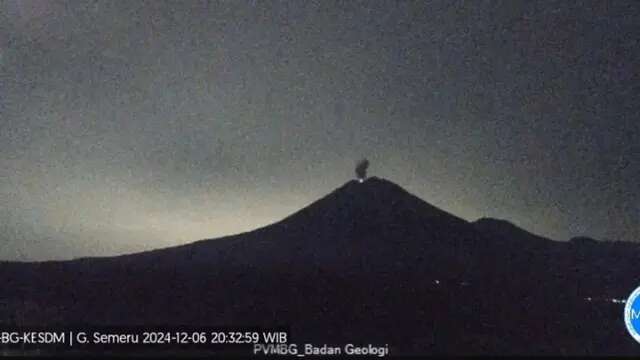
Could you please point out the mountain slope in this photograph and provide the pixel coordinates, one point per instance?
(367, 263)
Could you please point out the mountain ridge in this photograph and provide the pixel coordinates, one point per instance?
(369, 262)
(348, 192)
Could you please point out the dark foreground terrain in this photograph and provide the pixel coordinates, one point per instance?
(368, 263)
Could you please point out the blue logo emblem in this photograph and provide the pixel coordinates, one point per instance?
(632, 314)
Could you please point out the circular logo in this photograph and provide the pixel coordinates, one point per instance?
(632, 314)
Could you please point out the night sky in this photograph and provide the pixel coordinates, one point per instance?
(130, 125)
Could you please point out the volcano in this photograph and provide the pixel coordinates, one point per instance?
(369, 263)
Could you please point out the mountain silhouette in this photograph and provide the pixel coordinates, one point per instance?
(367, 263)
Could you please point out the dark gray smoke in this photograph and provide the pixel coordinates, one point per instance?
(361, 169)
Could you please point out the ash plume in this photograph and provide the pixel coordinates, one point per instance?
(361, 169)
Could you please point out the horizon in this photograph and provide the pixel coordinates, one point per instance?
(356, 182)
